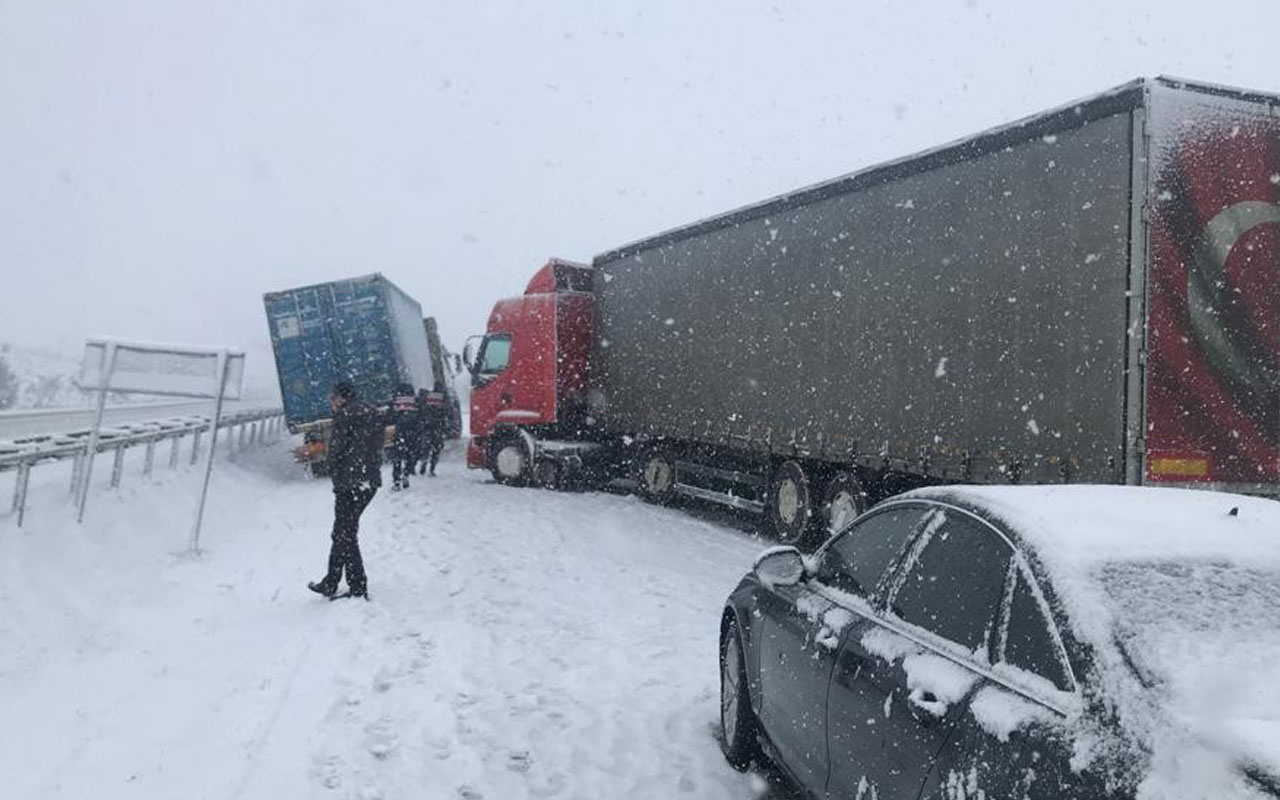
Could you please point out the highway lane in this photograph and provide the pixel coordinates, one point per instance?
(33, 422)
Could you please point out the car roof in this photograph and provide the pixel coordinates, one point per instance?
(1079, 527)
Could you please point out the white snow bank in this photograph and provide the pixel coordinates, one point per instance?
(519, 644)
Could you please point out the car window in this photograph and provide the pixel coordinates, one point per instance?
(954, 586)
(855, 560)
(1028, 643)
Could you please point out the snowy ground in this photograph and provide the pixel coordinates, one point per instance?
(519, 644)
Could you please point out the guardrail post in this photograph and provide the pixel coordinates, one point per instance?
(195, 446)
(173, 452)
(243, 425)
(117, 467)
(20, 491)
(151, 458)
(231, 440)
(255, 436)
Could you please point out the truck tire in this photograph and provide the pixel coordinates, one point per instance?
(790, 503)
(842, 502)
(509, 461)
(657, 477)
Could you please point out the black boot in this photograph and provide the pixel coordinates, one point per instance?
(322, 588)
(363, 593)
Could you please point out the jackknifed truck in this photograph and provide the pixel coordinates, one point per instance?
(364, 330)
(1090, 294)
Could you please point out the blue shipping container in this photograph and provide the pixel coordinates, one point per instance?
(364, 330)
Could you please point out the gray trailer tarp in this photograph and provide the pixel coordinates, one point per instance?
(969, 313)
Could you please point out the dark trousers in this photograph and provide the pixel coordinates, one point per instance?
(348, 505)
(430, 455)
(402, 461)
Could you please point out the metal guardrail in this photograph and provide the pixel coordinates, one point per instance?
(21, 455)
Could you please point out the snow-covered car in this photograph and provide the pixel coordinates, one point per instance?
(1029, 642)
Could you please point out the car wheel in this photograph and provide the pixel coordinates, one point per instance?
(790, 503)
(843, 502)
(509, 462)
(737, 720)
(658, 477)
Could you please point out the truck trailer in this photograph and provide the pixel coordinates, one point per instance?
(364, 330)
(1090, 294)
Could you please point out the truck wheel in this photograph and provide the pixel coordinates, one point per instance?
(790, 503)
(657, 477)
(509, 462)
(844, 501)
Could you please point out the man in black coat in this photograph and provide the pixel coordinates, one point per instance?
(408, 422)
(432, 409)
(355, 465)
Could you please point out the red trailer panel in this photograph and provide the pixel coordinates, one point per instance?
(1213, 366)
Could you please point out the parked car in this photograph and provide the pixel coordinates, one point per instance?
(1018, 641)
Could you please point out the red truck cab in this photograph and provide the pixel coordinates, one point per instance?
(530, 371)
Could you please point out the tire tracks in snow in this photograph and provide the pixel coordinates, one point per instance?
(565, 626)
(281, 700)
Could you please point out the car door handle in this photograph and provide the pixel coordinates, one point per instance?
(925, 706)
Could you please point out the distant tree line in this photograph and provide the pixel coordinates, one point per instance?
(8, 385)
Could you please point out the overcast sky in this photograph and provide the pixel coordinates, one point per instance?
(162, 164)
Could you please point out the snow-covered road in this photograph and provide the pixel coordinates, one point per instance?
(519, 644)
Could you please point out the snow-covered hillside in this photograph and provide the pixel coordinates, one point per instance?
(519, 643)
(45, 378)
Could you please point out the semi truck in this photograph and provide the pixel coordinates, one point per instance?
(1090, 294)
(442, 371)
(364, 330)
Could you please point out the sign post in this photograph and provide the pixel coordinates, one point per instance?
(212, 449)
(108, 361)
(171, 370)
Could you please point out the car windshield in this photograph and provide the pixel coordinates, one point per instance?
(1205, 636)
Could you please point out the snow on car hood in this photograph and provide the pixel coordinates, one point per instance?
(1203, 638)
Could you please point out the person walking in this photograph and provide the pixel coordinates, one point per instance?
(355, 465)
(432, 408)
(408, 422)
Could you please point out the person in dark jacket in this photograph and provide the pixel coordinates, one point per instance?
(355, 465)
(408, 422)
(431, 406)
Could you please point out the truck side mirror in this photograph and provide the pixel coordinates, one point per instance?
(469, 352)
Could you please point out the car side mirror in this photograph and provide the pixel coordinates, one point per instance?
(780, 566)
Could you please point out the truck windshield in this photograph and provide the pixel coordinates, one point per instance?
(494, 354)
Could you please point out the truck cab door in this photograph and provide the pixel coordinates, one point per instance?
(488, 390)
